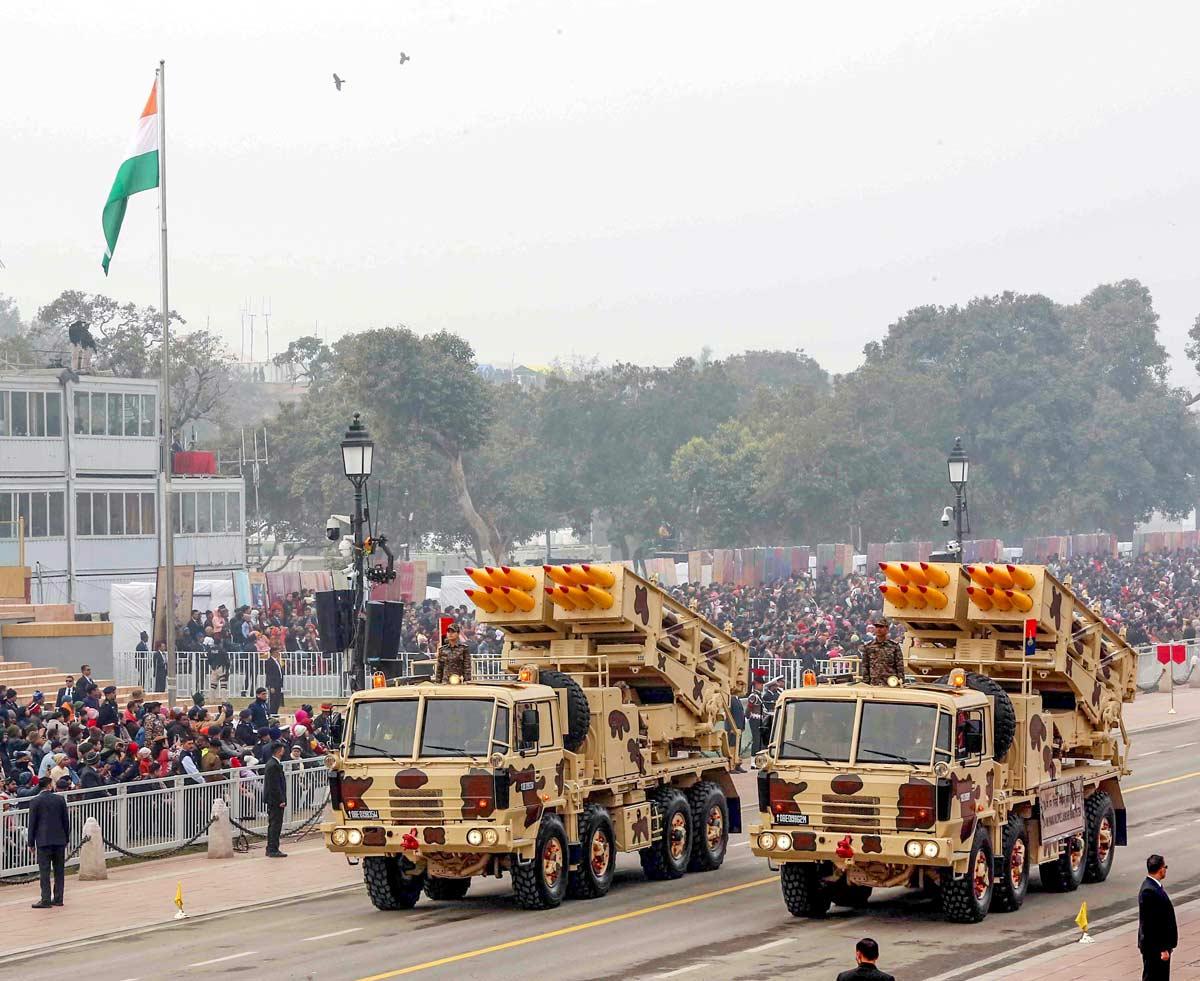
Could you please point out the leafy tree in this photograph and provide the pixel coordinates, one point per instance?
(201, 376)
(308, 358)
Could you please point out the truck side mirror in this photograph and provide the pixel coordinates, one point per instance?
(337, 726)
(530, 730)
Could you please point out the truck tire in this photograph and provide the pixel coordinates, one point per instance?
(1065, 873)
(446, 890)
(966, 900)
(710, 826)
(1013, 881)
(579, 715)
(668, 857)
(388, 886)
(850, 896)
(1100, 825)
(542, 883)
(804, 894)
(598, 855)
(1004, 731)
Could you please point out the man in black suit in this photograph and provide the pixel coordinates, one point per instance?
(84, 682)
(866, 952)
(275, 798)
(1157, 932)
(66, 693)
(160, 666)
(274, 675)
(49, 831)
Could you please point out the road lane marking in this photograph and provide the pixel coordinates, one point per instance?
(773, 943)
(1181, 745)
(566, 931)
(682, 970)
(326, 936)
(1153, 752)
(227, 957)
(1161, 831)
(1161, 783)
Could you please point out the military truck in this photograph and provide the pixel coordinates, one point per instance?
(609, 734)
(1006, 752)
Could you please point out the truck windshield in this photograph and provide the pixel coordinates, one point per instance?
(384, 728)
(456, 727)
(815, 729)
(896, 732)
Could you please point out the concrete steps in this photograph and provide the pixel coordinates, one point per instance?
(26, 679)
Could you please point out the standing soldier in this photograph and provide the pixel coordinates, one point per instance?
(882, 658)
(771, 699)
(453, 658)
(754, 712)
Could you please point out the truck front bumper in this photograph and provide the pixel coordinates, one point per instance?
(368, 838)
(799, 844)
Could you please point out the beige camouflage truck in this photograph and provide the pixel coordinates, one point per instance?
(1007, 752)
(609, 733)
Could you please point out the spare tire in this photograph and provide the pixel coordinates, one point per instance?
(579, 715)
(1005, 729)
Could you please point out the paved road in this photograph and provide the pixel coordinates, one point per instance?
(730, 923)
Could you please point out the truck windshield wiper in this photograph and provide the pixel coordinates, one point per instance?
(806, 749)
(377, 749)
(890, 756)
(452, 750)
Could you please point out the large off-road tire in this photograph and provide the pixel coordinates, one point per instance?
(388, 886)
(579, 714)
(597, 855)
(966, 900)
(1013, 881)
(1100, 825)
(804, 893)
(1004, 730)
(446, 890)
(542, 883)
(843, 893)
(1065, 873)
(710, 826)
(668, 857)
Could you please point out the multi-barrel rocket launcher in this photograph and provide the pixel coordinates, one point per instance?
(1024, 628)
(603, 624)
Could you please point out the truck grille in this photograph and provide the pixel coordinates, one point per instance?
(416, 806)
(850, 814)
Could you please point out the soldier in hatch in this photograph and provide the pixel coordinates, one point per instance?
(882, 658)
(453, 658)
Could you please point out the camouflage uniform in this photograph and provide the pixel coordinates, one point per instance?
(452, 659)
(881, 660)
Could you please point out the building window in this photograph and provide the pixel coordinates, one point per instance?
(207, 512)
(108, 414)
(30, 414)
(113, 513)
(42, 512)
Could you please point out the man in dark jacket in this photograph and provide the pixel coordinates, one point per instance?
(109, 710)
(84, 682)
(260, 716)
(160, 666)
(65, 693)
(49, 832)
(275, 798)
(1158, 934)
(274, 676)
(866, 952)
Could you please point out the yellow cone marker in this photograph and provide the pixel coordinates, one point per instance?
(1081, 921)
(179, 914)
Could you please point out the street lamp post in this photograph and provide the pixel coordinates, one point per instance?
(958, 465)
(357, 453)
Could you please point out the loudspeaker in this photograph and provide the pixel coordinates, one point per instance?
(383, 630)
(334, 612)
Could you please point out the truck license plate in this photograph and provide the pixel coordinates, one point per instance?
(363, 815)
(791, 819)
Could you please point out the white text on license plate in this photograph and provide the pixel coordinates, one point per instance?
(363, 815)
(791, 819)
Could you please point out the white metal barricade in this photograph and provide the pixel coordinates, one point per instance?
(306, 674)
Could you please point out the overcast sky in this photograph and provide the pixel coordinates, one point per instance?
(633, 180)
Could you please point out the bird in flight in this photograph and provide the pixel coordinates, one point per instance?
(338, 82)
(404, 58)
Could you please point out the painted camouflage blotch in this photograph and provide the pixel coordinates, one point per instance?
(846, 783)
(434, 836)
(528, 777)
(560, 777)
(641, 826)
(662, 661)
(1056, 607)
(636, 756)
(411, 778)
(913, 793)
(991, 786)
(698, 690)
(618, 724)
(355, 787)
(872, 844)
(1048, 762)
(966, 793)
(804, 841)
(782, 792)
(1037, 733)
(477, 786)
(641, 604)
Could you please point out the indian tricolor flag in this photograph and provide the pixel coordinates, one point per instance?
(139, 172)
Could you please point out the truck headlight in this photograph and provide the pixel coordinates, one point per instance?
(339, 836)
(783, 842)
(474, 837)
(931, 849)
(766, 841)
(491, 836)
(354, 836)
(912, 849)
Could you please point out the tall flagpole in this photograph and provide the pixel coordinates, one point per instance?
(167, 516)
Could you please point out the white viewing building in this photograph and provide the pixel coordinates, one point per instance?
(79, 464)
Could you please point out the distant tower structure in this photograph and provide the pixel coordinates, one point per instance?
(266, 314)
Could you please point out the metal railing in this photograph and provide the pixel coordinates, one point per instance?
(1151, 671)
(146, 817)
(306, 674)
